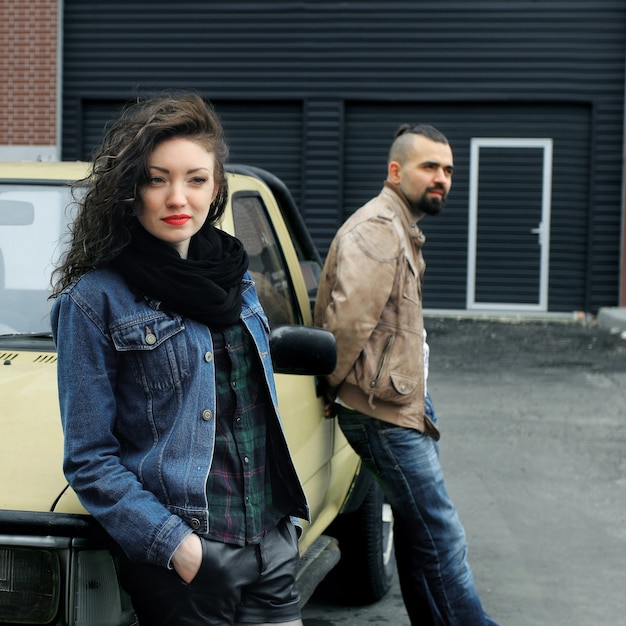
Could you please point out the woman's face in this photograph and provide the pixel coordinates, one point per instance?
(176, 200)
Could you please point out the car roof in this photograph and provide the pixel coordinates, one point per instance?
(70, 171)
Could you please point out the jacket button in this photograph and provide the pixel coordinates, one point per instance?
(208, 357)
(207, 414)
(151, 339)
(195, 523)
(402, 388)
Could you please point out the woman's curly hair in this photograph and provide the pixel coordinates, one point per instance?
(102, 225)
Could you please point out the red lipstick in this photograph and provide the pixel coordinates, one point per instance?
(176, 220)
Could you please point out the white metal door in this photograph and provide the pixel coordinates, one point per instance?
(509, 224)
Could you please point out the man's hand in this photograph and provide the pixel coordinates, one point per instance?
(188, 558)
(330, 409)
(329, 395)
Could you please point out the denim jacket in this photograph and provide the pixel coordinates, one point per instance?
(137, 399)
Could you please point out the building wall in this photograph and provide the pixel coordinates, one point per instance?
(28, 79)
(288, 79)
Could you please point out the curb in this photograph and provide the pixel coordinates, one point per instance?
(613, 318)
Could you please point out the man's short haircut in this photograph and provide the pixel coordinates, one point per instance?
(402, 143)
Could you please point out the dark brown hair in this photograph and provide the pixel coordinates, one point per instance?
(402, 143)
(101, 228)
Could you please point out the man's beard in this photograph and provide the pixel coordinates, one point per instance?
(429, 205)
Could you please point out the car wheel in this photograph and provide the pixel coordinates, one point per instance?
(367, 565)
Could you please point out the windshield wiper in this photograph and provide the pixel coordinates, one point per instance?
(38, 335)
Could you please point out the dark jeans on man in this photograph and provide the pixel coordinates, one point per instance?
(430, 541)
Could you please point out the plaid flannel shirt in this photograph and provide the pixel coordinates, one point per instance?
(241, 508)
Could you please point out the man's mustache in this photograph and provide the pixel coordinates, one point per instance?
(437, 187)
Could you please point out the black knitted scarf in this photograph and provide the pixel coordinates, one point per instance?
(205, 287)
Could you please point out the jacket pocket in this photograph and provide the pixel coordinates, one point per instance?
(411, 283)
(155, 350)
(403, 385)
(381, 379)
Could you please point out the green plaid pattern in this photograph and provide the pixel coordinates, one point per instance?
(239, 489)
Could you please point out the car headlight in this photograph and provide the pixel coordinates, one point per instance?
(97, 597)
(29, 585)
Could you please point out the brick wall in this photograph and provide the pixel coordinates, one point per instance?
(28, 73)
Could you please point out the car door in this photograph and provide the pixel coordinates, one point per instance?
(280, 284)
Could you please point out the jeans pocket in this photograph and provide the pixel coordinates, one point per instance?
(357, 436)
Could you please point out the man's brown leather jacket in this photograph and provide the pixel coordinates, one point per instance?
(370, 298)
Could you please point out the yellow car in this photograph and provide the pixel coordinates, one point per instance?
(55, 565)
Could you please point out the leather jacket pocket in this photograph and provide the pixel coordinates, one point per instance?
(411, 286)
(382, 379)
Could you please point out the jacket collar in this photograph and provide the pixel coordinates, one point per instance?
(407, 215)
(406, 207)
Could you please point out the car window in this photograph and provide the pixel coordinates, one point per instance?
(267, 266)
(32, 219)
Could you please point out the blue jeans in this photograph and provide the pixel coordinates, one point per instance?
(430, 541)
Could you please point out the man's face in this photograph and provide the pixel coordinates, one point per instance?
(426, 176)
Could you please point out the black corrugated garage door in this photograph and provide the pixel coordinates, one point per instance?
(370, 129)
(264, 134)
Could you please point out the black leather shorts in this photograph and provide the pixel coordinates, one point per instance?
(254, 583)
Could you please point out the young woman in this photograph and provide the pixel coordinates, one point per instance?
(172, 437)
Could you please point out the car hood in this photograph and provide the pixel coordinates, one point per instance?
(31, 444)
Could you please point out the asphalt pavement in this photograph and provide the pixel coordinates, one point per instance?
(533, 420)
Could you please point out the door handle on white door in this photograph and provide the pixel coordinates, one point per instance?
(538, 231)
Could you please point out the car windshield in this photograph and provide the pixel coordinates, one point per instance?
(33, 218)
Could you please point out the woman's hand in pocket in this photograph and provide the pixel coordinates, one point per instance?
(188, 558)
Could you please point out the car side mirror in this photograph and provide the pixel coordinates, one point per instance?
(303, 350)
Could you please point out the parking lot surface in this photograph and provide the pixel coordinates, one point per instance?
(533, 420)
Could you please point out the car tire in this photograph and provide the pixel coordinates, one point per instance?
(367, 565)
